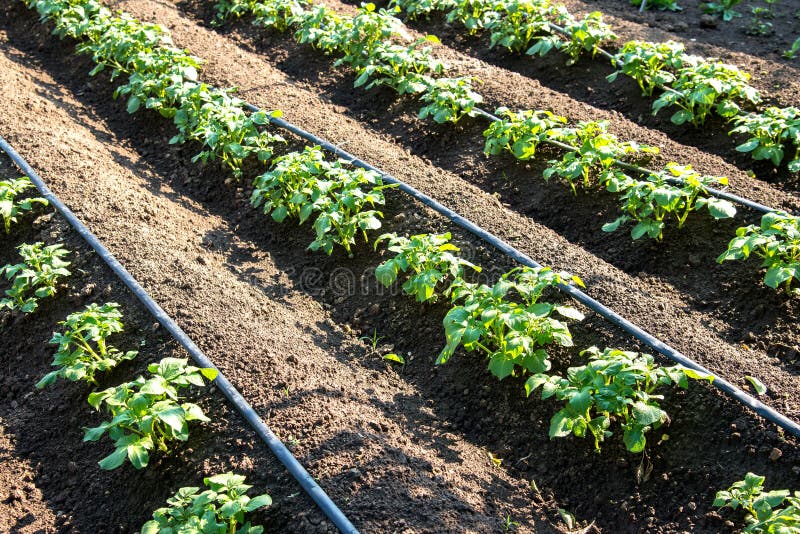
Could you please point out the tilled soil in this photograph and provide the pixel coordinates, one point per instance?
(399, 448)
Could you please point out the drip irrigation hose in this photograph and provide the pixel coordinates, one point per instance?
(302, 476)
(645, 337)
(643, 170)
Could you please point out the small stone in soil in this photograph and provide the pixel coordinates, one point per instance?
(775, 454)
(708, 21)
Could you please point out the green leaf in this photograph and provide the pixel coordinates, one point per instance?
(634, 439)
(386, 273)
(681, 117)
(258, 502)
(392, 357)
(749, 146)
(777, 275)
(209, 372)
(500, 366)
(757, 384)
(561, 425)
(114, 460)
(721, 209)
(174, 417)
(647, 414)
(138, 456)
(133, 104)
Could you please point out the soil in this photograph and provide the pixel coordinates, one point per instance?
(399, 448)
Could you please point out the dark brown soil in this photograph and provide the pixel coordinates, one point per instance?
(398, 448)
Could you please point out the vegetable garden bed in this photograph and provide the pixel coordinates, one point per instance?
(404, 447)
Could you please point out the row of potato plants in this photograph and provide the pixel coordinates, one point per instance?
(508, 322)
(593, 155)
(146, 414)
(695, 85)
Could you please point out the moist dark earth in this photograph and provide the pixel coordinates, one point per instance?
(399, 448)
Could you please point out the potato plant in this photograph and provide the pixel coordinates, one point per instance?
(522, 23)
(146, 414)
(82, 347)
(35, 278)
(705, 87)
(615, 385)
(406, 69)
(649, 202)
(277, 14)
(762, 512)
(430, 260)
(220, 509)
(663, 5)
(584, 35)
(769, 133)
(304, 184)
(722, 8)
(449, 100)
(10, 207)
(597, 155)
(652, 65)
(776, 240)
(507, 322)
(520, 132)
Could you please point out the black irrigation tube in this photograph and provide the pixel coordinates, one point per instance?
(645, 337)
(302, 476)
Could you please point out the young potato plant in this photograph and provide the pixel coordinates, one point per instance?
(277, 14)
(406, 69)
(147, 413)
(82, 347)
(473, 14)
(793, 50)
(415, 9)
(449, 100)
(763, 515)
(302, 184)
(777, 242)
(597, 153)
(722, 8)
(431, 260)
(652, 65)
(522, 23)
(520, 132)
(769, 132)
(584, 36)
(10, 207)
(648, 202)
(159, 81)
(663, 5)
(615, 385)
(345, 213)
(359, 37)
(35, 278)
(220, 509)
(705, 87)
(218, 121)
(507, 322)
